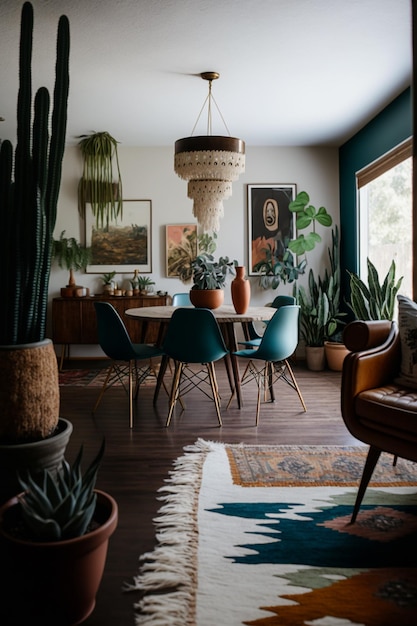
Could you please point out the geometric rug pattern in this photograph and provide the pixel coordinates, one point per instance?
(229, 552)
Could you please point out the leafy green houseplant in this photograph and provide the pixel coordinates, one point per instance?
(71, 255)
(277, 268)
(97, 185)
(60, 524)
(208, 275)
(29, 186)
(374, 301)
(143, 283)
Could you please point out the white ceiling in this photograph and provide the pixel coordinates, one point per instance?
(292, 72)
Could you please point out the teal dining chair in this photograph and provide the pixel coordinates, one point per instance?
(270, 360)
(115, 342)
(253, 337)
(181, 299)
(193, 337)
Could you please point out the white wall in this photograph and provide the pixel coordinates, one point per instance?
(148, 173)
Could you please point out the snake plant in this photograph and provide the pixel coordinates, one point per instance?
(374, 301)
(29, 186)
(56, 508)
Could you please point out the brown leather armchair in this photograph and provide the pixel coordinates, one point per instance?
(376, 409)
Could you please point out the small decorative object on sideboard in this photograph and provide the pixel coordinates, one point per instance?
(66, 545)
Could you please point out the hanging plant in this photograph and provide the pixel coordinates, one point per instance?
(97, 186)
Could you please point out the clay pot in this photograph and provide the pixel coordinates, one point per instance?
(335, 355)
(240, 290)
(69, 571)
(207, 298)
(315, 357)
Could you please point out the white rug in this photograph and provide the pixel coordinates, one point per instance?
(230, 555)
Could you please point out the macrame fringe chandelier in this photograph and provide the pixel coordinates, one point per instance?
(210, 163)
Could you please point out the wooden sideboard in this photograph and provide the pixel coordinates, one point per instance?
(74, 319)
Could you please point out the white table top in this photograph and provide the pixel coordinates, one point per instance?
(224, 314)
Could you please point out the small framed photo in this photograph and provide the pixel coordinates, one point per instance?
(126, 244)
(181, 249)
(270, 222)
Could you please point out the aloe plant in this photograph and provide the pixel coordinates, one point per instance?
(29, 188)
(61, 506)
(373, 301)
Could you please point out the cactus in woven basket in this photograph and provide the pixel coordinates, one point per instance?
(55, 508)
(29, 187)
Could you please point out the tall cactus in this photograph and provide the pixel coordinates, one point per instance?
(29, 190)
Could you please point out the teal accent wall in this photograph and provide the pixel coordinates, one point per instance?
(388, 129)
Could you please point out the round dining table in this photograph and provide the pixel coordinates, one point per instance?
(226, 317)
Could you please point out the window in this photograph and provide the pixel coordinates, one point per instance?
(386, 215)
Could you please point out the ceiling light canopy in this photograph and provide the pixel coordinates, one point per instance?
(210, 163)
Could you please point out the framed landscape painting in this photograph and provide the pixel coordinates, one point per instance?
(270, 222)
(126, 244)
(181, 249)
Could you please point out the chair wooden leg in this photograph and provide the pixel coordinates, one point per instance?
(295, 384)
(173, 396)
(103, 389)
(131, 394)
(371, 460)
(214, 389)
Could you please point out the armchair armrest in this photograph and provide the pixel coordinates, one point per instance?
(375, 356)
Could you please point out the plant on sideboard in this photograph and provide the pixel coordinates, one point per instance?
(70, 255)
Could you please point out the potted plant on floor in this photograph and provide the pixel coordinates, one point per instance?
(209, 276)
(54, 537)
(72, 256)
(29, 187)
(320, 316)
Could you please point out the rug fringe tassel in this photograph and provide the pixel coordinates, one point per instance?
(177, 527)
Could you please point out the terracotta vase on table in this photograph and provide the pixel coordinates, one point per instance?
(240, 289)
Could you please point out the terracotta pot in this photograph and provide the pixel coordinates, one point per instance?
(335, 355)
(240, 290)
(207, 298)
(315, 357)
(53, 583)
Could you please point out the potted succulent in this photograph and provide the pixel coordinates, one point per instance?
(30, 179)
(60, 525)
(144, 282)
(209, 276)
(108, 282)
(373, 301)
(72, 256)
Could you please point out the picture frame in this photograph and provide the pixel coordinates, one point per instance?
(181, 247)
(127, 244)
(270, 222)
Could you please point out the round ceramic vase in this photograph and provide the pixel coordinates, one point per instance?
(240, 289)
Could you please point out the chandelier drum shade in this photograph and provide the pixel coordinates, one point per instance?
(210, 163)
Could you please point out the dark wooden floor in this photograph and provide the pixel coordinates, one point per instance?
(137, 461)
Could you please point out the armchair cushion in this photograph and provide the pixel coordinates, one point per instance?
(407, 323)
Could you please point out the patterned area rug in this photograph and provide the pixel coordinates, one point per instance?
(230, 552)
(91, 378)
